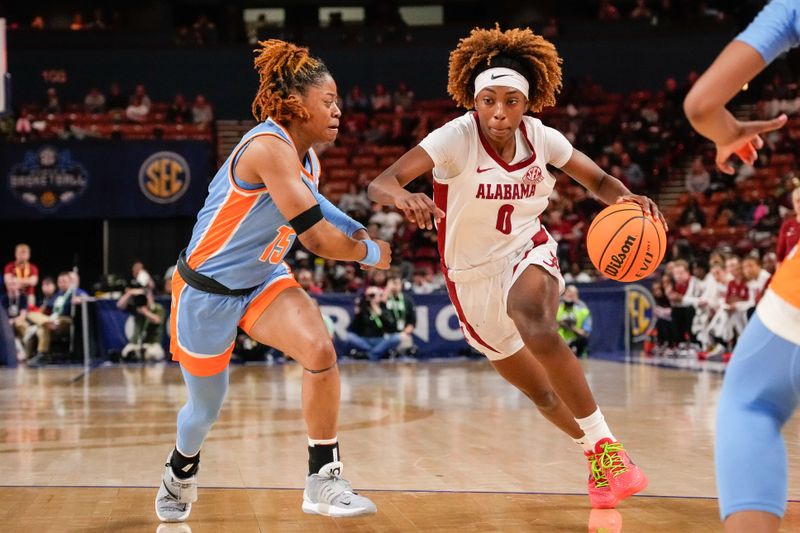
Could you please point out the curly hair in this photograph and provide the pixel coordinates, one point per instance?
(531, 55)
(283, 68)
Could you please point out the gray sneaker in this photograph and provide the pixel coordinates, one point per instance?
(327, 493)
(175, 496)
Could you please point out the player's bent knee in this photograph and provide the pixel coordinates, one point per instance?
(545, 400)
(319, 354)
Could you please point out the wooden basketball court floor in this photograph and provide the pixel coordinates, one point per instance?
(438, 446)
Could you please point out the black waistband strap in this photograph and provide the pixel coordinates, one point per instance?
(204, 283)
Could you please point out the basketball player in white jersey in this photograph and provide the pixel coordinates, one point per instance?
(491, 184)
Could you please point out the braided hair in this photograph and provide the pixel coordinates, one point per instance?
(531, 55)
(284, 69)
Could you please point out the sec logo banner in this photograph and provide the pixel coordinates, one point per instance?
(640, 311)
(164, 177)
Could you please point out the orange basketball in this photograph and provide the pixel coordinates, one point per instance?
(623, 244)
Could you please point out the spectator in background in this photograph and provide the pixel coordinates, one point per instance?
(137, 111)
(141, 276)
(204, 31)
(306, 280)
(607, 11)
(20, 277)
(183, 36)
(682, 295)
(574, 321)
(148, 324)
(698, 179)
(757, 279)
(140, 93)
(692, 215)
(373, 330)
(52, 103)
(23, 126)
(790, 229)
(633, 174)
(116, 100)
(387, 219)
(403, 96)
(202, 113)
(356, 101)
(168, 279)
(57, 321)
(712, 300)
(769, 262)
(77, 23)
(380, 100)
(403, 310)
(94, 102)
(641, 11)
(37, 23)
(376, 133)
(98, 22)
(355, 202)
(731, 317)
(24, 330)
(179, 111)
(422, 281)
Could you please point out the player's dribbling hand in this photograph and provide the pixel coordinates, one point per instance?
(648, 206)
(747, 142)
(386, 255)
(419, 209)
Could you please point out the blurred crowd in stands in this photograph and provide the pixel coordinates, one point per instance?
(727, 233)
(110, 115)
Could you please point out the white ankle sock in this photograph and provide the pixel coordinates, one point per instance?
(594, 428)
(584, 444)
(314, 442)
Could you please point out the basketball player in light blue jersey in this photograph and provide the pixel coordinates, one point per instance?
(232, 275)
(762, 383)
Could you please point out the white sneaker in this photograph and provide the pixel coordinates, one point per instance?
(327, 493)
(175, 496)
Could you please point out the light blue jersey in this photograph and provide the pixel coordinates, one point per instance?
(775, 30)
(240, 236)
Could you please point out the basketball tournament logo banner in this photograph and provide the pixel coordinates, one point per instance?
(164, 177)
(47, 179)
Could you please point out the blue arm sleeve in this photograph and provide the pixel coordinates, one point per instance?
(774, 30)
(333, 214)
(337, 217)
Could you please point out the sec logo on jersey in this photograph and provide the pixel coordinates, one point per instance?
(533, 175)
(164, 177)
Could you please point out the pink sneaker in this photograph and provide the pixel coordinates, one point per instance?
(624, 477)
(600, 494)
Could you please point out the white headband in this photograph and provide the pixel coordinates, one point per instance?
(504, 77)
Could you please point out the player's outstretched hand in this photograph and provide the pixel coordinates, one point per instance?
(648, 206)
(419, 209)
(386, 255)
(747, 142)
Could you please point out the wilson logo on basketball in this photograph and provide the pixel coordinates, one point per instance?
(533, 175)
(617, 260)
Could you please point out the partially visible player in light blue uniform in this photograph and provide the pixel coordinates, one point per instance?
(762, 384)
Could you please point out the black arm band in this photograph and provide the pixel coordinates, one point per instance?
(302, 222)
